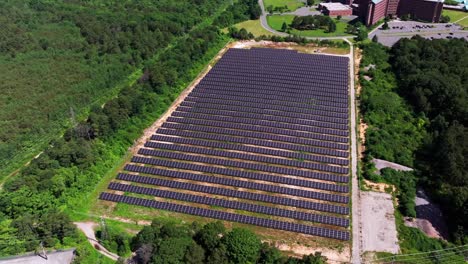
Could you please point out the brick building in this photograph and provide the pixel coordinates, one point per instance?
(371, 11)
(335, 9)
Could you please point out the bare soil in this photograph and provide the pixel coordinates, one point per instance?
(378, 226)
(309, 48)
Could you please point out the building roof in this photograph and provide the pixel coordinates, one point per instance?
(335, 6)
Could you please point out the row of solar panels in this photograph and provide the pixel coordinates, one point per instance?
(329, 220)
(315, 114)
(258, 119)
(231, 172)
(299, 228)
(325, 98)
(265, 102)
(280, 76)
(285, 71)
(243, 148)
(228, 122)
(273, 88)
(306, 67)
(281, 54)
(332, 106)
(219, 103)
(254, 115)
(235, 164)
(330, 86)
(187, 124)
(250, 157)
(204, 126)
(302, 203)
(285, 61)
(252, 141)
(277, 101)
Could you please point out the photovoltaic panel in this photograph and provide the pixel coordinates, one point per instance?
(330, 220)
(298, 228)
(267, 121)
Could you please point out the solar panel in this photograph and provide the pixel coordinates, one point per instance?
(257, 123)
(310, 230)
(267, 198)
(330, 220)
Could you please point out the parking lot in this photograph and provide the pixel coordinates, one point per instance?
(408, 29)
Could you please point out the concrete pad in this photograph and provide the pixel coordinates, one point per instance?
(378, 223)
(57, 257)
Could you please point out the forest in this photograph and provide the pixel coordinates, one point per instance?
(59, 57)
(162, 45)
(211, 243)
(416, 107)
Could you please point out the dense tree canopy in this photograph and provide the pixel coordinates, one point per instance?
(414, 100)
(433, 77)
(212, 243)
(314, 22)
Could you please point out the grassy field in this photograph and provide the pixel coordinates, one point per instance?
(254, 27)
(291, 4)
(277, 21)
(456, 15)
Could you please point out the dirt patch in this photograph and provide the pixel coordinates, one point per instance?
(311, 48)
(333, 255)
(379, 187)
(378, 226)
(423, 225)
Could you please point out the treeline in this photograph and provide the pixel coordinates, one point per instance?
(414, 101)
(433, 77)
(207, 244)
(68, 166)
(58, 57)
(239, 11)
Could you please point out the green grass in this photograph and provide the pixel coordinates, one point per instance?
(291, 4)
(276, 22)
(254, 27)
(456, 15)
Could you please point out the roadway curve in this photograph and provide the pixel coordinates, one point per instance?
(264, 23)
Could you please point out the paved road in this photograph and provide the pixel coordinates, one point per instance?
(264, 22)
(356, 197)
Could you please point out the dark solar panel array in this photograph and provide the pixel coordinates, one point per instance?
(269, 116)
(249, 157)
(337, 209)
(244, 148)
(274, 121)
(253, 141)
(245, 219)
(324, 219)
(232, 172)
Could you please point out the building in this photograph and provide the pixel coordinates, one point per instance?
(371, 11)
(335, 9)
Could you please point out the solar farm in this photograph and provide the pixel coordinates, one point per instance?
(262, 140)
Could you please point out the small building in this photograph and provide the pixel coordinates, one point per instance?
(335, 9)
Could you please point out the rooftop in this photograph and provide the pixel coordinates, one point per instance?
(335, 6)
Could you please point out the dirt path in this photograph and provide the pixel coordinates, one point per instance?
(356, 199)
(88, 229)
